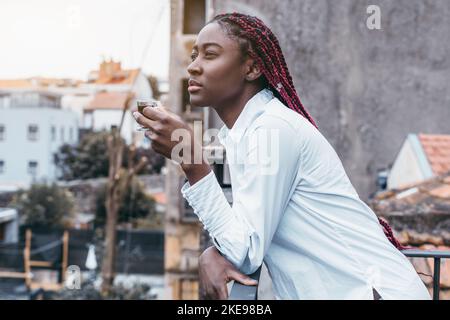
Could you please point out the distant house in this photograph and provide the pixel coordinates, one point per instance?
(32, 128)
(9, 226)
(421, 157)
(113, 89)
(105, 110)
(111, 77)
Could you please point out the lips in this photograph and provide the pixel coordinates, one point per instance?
(193, 86)
(193, 83)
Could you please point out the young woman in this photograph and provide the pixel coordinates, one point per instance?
(297, 210)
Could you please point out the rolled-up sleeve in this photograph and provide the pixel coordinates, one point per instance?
(243, 232)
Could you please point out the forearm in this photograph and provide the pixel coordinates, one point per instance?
(231, 234)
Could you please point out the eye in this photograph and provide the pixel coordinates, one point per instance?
(210, 54)
(193, 56)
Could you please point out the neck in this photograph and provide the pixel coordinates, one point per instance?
(230, 109)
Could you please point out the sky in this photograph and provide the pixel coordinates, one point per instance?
(67, 39)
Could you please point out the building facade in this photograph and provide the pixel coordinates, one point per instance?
(182, 230)
(32, 128)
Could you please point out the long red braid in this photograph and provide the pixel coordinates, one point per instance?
(258, 42)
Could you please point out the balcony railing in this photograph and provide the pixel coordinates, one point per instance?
(243, 292)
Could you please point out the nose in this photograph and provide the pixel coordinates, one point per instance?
(193, 67)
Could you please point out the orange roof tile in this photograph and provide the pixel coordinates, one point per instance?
(108, 100)
(120, 77)
(111, 72)
(441, 192)
(437, 151)
(37, 82)
(15, 83)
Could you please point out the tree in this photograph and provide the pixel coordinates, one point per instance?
(89, 159)
(44, 205)
(153, 81)
(136, 204)
(119, 180)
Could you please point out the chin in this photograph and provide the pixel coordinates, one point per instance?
(197, 102)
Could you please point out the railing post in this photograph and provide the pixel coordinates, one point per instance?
(436, 278)
(242, 292)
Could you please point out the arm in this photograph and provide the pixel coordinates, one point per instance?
(243, 232)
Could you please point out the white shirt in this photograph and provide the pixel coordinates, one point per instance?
(305, 220)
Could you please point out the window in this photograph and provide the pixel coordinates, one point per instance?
(32, 167)
(2, 166)
(33, 132)
(2, 132)
(62, 134)
(194, 16)
(71, 134)
(53, 133)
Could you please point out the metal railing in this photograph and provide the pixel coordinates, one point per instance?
(437, 256)
(242, 292)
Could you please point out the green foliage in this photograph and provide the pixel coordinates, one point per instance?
(136, 204)
(44, 205)
(89, 159)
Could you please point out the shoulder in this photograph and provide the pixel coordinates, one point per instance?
(288, 122)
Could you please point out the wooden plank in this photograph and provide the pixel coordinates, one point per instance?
(65, 259)
(40, 263)
(47, 286)
(26, 257)
(12, 274)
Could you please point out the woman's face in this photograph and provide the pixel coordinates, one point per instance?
(217, 68)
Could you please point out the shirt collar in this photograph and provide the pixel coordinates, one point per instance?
(252, 109)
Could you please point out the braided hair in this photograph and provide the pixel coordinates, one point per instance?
(258, 42)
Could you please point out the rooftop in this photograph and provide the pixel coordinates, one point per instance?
(109, 101)
(437, 151)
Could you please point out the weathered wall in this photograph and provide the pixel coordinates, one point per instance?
(367, 89)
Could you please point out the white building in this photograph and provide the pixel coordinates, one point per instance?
(100, 101)
(422, 156)
(32, 128)
(106, 109)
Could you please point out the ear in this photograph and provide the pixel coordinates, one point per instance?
(253, 70)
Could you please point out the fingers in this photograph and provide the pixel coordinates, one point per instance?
(145, 122)
(155, 113)
(241, 278)
(151, 135)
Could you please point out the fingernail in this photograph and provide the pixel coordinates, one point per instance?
(136, 115)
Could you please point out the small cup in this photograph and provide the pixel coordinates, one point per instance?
(141, 104)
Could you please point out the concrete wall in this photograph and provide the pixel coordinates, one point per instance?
(367, 89)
